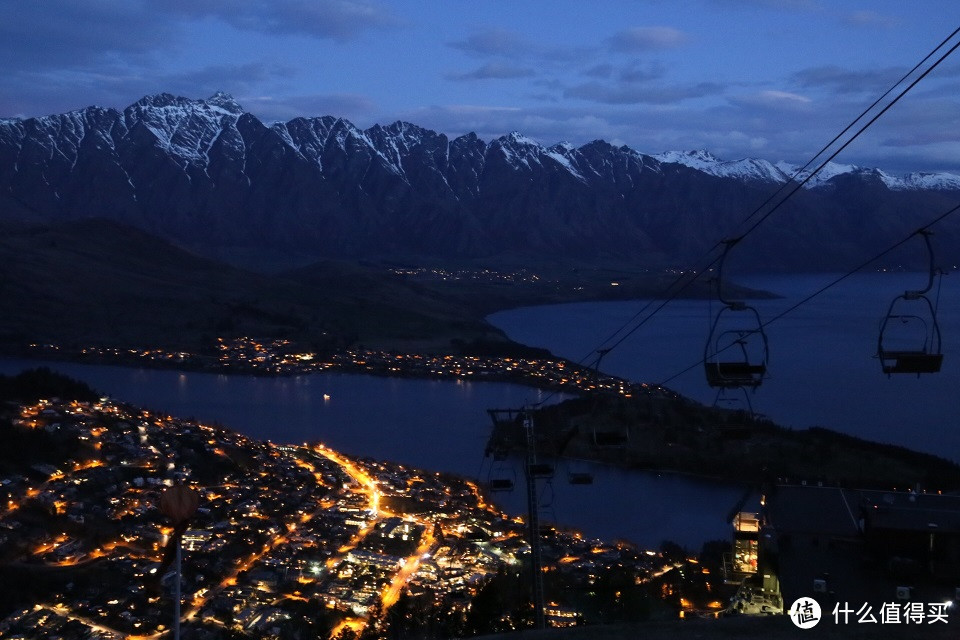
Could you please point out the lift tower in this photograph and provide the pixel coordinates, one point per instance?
(504, 425)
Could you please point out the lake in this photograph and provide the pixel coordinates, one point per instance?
(430, 424)
(821, 372)
(821, 369)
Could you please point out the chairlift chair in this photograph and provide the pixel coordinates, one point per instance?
(501, 479)
(737, 421)
(927, 358)
(893, 349)
(746, 367)
(580, 477)
(610, 439)
(540, 470)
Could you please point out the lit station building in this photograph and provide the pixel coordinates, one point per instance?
(754, 566)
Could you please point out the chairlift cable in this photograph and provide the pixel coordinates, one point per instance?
(799, 171)
(697, 273)
(830, 285)
(936, 304)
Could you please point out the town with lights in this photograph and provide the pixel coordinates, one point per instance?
(281, 357)
(286, 541)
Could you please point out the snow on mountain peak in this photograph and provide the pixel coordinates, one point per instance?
(749, 169)
(518, 138)
(932, 181)
(219, 103)
(225, 101)
(186, 128)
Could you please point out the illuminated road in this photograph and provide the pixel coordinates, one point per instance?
(96, 626)
(410, 566)
(281, 538)
(366, 485)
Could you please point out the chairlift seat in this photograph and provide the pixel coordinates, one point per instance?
(609, 439)
(734, 374)
(581, 477)
(910, 362)
(501, 484)
(541, 470)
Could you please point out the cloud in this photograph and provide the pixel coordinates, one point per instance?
(504, 44)
(772, 99)
(869, 19)
(636, 94)
(495, 42)
(494, 71)
(638, 72)
(232, 78)
(604, 70)
(327, 19)
(67, 34)
(32, 93)
(646, 39)
(786, 5)
(49, 35)
(848, 81)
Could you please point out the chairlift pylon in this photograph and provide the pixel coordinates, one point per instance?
(913, 346)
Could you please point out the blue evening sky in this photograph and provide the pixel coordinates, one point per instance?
(773, 79)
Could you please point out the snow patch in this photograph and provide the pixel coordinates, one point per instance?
(747, 169)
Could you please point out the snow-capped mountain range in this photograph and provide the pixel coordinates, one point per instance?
(211, 176)
(782, 172)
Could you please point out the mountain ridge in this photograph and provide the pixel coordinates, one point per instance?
(214, 178)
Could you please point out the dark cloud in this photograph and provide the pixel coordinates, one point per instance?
(65, 34)
(57, 34)
(637, 94)
(604, 70)
(639, 72)
(843, 80)
(646, 39)
(787, 5)
(921, 138)
(505, 44)
(112, 51)
(495, 42)
(494, 71)
(31, 93)
(334, 19)
(232, 78)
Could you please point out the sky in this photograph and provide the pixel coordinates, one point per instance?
(771, 79)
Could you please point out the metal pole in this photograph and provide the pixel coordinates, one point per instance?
(176, 597)
(533, 521)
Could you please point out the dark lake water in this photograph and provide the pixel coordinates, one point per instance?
(822, 369)
(434, 425)
(821, 366)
